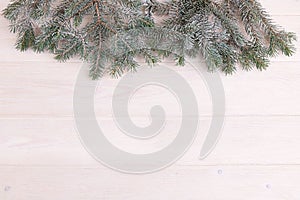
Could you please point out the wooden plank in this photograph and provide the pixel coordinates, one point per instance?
(221, 182)
(244, 141)
(29, 90)
(272, 92)
(288, 7)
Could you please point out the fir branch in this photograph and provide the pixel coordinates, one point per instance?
(110, 34)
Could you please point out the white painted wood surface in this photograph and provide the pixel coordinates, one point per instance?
(41, 157)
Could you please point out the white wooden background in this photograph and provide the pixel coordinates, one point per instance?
(41, 157)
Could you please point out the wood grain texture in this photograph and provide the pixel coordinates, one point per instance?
(177, 182)
(257, 157)
(245, 141)
(31, 90)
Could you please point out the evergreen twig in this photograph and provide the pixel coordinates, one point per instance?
(111, 34)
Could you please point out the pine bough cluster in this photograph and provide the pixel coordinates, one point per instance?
(112, 34)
